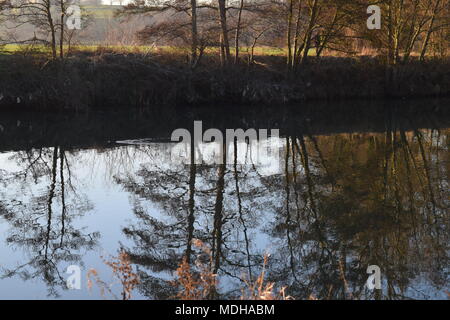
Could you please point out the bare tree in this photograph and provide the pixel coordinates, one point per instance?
(238, 31)
(407, 27)
(318, 25)
(41, 15)
(174, 20)
(48, 17)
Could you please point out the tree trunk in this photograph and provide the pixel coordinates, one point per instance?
(238, 31)
(224, 29)
(297, 35)
(194, 33)
(61, 36)
(308, 35)
(390, 34)
(327, 36)
(289, 33)
(429, 31)
(52, 27)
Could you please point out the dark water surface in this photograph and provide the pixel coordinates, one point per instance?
(355, 185)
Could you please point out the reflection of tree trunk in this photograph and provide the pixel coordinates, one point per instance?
(218, 215)
(286, 172)
(395, 176)
(409, 183)
(305, 159)
(387, 140)
(63, 197)
(288, 212)
(416, 168)
(218, 222)
(191, 204)
(295, 182)
(427, 169)
(342, 270)
(241, 217)
(322, 160)
(50, 199)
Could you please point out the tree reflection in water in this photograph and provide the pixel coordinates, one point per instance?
(42, 226)
(342, 203)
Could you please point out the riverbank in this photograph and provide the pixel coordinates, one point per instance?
(111, 80)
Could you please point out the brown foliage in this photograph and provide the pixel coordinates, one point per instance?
(261, 290)
(198, 282)
(122, 271)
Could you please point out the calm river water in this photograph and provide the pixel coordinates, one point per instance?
(340, 193)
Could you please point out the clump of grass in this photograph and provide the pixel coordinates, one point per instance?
(122, 272)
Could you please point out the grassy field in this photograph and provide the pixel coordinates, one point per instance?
(101, 11)
(18, 48)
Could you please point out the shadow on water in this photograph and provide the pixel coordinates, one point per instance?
(363, 186)
(27, 130)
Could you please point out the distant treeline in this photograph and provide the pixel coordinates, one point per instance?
(301, 28)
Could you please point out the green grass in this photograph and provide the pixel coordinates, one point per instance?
(101, 11)
(263, 51)
(17, 48)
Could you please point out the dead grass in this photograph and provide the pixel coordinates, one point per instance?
(259, 289)
(106, 79)
(122, 273)
(198, 282)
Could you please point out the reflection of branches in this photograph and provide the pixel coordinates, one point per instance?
(358, 221)
(360, 199)
(194, 205)
(241, 217)
(49, 239)
(123, 273)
